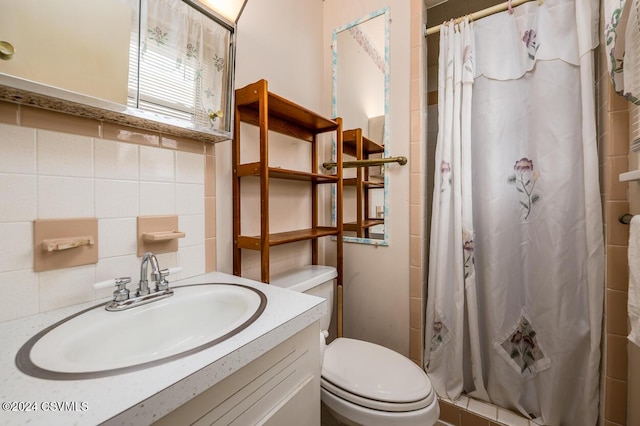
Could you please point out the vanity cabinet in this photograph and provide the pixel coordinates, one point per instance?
(362, 148)
(280, 387)
(255, 105)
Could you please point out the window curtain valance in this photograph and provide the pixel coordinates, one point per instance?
(622, 37)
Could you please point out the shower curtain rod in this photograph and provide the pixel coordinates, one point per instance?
(484, 13)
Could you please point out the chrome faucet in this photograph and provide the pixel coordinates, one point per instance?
(143, 285)
(144, 294)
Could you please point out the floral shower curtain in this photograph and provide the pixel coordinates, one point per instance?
(516, 258)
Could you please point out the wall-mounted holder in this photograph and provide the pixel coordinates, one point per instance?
(63, 243)
(158, 234)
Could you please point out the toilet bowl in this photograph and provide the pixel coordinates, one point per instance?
(363, 383)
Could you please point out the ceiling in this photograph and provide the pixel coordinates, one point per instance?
(450, 9)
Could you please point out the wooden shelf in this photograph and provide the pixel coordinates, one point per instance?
(367, 183)
(366, 223)
(255, 105)
(369, 147)
(284, 116)
(253, 169)
(359, 146)
(253, 243)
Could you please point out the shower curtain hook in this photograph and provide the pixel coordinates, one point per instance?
(509, 7)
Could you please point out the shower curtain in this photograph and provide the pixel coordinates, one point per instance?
(515, 285)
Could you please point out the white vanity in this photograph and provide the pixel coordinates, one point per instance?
(268, 373)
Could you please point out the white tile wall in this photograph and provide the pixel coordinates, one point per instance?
(115, 160)
(62, 154)
(20, 294)
(46, 175)
(63, 197)
(189, 168)
(157, 198)
(22, 143)
(21, 190)
(157, 164)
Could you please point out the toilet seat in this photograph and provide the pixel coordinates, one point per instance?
(375, 377)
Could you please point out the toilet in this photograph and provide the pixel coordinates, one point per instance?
(363, 383)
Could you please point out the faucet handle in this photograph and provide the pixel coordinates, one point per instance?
(121, 293)
(161, 277)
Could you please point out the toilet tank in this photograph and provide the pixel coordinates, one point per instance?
(316, 280)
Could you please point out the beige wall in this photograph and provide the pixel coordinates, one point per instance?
(279, 41)
(55, 166)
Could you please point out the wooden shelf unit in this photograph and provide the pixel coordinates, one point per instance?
(254, 104)
(359, 146)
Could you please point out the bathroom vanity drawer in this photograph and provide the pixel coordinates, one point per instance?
(281, 385)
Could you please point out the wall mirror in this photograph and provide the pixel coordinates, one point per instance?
(361, 98)
(166, 61)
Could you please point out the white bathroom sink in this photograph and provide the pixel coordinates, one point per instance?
(96, 343)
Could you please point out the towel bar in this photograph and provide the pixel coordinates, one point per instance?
(625, 219)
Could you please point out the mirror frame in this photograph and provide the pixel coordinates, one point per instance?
(32, 93)
(334, 47)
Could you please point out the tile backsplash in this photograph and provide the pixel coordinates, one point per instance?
(46, 174)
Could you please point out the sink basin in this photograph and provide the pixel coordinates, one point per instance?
(97, 343)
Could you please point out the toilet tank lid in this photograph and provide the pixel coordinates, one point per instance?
(305, 278)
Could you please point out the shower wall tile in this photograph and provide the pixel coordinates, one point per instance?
(512, 419)
(618, 133)
(617, 268)
(471, 419)
(616, 362)
(615, 409)
(449, 413)
(616, 102)
(55, 165)
(616, 311)
(615, 189)
(417, 170)
(486, 410)
(617, 233)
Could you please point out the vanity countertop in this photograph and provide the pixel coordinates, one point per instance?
(142, 396)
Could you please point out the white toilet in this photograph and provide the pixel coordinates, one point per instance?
(364, 383)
